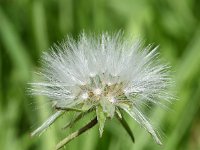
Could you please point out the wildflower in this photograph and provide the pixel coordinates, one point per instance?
(104, 74)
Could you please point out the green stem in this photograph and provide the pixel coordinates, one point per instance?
(76, 133)
(68, 109)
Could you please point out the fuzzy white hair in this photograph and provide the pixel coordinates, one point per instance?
(108, 68)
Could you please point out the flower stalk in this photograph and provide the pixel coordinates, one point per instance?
(69, 138)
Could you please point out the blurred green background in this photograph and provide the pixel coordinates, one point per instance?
(29, 27)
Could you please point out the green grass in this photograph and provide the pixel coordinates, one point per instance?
(27, 28)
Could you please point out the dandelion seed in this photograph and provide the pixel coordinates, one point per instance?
(85, 96)
(112, 100)
(97, 92)
(104, 74)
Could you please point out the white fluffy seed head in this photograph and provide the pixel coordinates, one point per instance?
(96, 68)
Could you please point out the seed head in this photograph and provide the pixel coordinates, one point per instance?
(106, 74)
